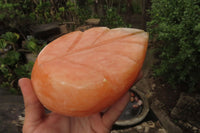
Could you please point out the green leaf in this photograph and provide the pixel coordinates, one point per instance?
(61, 9)
(24, 70)
(3, 44)
(11, 58)
(10, 37)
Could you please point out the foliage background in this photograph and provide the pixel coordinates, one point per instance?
(175, 25)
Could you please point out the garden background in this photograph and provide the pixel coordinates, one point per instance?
(26, 26)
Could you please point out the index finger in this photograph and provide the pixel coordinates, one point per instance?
(34, 111)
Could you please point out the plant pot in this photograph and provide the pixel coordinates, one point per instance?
(131, 115)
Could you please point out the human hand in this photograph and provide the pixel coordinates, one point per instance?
(37, 121)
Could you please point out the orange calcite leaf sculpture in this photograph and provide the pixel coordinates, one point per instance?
(81, 73)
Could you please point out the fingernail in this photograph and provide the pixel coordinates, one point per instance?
(19, 82)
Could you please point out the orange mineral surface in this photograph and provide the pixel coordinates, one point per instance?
(81, 73)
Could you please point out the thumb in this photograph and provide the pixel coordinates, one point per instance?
(34, 111)
(115, 111)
